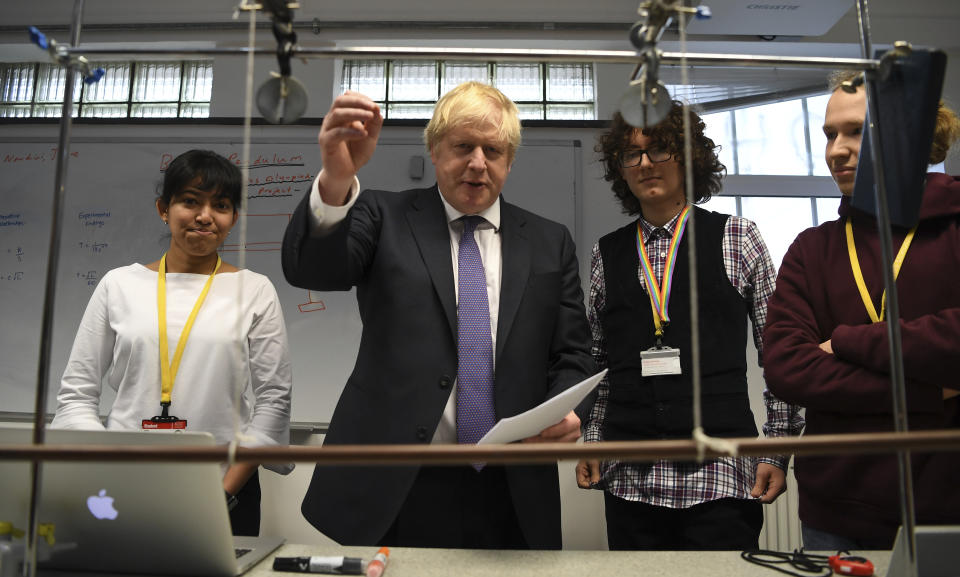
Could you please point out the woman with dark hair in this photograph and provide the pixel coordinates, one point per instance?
(640, 321)
(187, 341)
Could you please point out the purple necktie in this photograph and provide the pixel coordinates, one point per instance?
(475, 414)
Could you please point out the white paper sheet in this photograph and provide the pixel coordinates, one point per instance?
(550, 412)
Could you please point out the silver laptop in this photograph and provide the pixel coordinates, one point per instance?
(131, 517)
(938, 552)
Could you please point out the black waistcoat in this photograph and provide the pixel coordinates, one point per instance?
(660, 407)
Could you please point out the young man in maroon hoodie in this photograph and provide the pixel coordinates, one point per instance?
(826, 346)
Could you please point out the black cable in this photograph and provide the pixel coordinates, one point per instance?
(808, 564)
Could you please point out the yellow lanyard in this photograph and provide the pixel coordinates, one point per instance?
(168, 370)
(858, 274)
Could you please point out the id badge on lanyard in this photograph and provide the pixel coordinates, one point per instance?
(661, 360)
(163, 422)
(168, 370)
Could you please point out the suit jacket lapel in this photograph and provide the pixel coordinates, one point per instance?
(428, 224)
(515, 252)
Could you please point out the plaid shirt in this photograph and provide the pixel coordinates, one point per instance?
(677, 485)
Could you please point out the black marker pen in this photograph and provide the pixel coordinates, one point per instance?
(328, 565)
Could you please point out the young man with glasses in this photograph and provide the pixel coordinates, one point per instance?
(639, 314)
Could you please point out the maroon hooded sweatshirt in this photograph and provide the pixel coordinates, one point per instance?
(816, 300)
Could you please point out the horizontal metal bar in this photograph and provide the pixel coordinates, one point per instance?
(765, 60)
(683, 449)
(434, 53)
(484, 25)
(247, 7)
(318, 26)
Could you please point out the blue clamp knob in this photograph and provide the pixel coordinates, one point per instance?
(39, 38)
(94, 76)
(703, 13)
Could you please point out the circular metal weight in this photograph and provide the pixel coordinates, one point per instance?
(282, 100)
(645, 108)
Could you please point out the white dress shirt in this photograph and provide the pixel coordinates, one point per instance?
(326, 217)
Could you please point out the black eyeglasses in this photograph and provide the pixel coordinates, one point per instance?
(634, 156)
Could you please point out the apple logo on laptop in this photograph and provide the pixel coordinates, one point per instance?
(101, 506)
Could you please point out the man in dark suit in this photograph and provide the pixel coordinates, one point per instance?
(414, 380)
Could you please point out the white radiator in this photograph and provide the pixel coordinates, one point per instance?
(781, 523)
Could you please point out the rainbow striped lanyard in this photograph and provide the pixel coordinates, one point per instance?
(660, 293)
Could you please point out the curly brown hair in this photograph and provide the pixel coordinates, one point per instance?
(668, 135)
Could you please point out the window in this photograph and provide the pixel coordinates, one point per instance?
(783, 138)
(827, 208)
(724, 204)
(410, 88)
(127, 90)
(771, 137)
(816, 107)
(780, 220)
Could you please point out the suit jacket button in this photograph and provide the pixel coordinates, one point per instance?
(444, 382)
(422, 433)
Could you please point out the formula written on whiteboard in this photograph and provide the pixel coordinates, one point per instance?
(18, 253)
(11, 276)
(14, 219)
(94, 247)
(97, 219)
(90, 277)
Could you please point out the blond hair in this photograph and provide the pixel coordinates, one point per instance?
(946, 132)
(475, 103)
(836, 78)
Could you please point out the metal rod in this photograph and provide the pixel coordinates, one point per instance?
(317, 26)
(907, 506)
(437, 53)
(691, 232)
(254, 7)
(863, 23)
(49, 296)
(679, 449)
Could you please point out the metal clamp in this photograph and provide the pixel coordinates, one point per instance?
(60, 55)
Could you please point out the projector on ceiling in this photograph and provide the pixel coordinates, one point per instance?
(770, 17)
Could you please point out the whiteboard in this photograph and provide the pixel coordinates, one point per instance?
(109, 220)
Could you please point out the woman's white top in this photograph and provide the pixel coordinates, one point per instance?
(235, 367)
